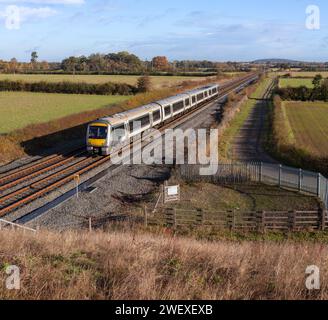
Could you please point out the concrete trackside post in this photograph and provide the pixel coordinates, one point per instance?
(261, 172)
(300, 180)
(280, 175)
(319, 185)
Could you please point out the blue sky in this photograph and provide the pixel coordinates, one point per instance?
(182, 29)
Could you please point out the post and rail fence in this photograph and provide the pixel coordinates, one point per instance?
(257, 221)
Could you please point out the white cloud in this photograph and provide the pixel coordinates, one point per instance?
(27, 13)
(64, 2)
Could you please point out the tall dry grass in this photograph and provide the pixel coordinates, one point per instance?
(140, 266)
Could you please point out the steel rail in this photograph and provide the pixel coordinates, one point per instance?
(11, 175)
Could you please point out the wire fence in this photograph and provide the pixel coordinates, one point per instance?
(272, 174)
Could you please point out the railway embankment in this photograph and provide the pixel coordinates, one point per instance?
(132, 265)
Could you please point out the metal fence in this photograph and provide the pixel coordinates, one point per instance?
(272, 174)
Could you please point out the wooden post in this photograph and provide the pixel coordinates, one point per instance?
(263, 225)
(233, 220)
(292, 220)
(146, 216)
(175, 218)
(261, 172)
(0, 225)
(322, 217)
(200, 217)
(90, 224)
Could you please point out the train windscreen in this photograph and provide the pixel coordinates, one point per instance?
(98, 132)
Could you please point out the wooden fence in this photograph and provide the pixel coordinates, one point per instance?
(260, 221)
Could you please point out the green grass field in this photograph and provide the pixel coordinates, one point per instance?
(308, 121)
(295, 82)
(19, 109)
(309, 74)
(158, 81)
(301, 74)
(211, 197)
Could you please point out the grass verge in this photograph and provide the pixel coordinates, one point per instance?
(137, 266)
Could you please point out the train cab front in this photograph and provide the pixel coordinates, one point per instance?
(97, 138)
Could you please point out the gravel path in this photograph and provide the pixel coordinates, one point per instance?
(248, 144)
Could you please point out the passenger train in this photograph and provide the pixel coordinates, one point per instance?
(110, 134)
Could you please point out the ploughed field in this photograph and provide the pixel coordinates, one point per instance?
(295, 82)
(308, 121)
(157, 81)
(20, 109)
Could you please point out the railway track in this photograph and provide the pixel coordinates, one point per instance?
(22, 186)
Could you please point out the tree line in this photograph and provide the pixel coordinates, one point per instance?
(302, 93)
(117, 63)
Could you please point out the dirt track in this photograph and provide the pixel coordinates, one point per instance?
(248, 144)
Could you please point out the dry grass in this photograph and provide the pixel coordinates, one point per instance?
(127, 266)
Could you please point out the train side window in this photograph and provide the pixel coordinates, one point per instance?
(167, 111)
(193, 99)
(156, 116)
(187, 102)
(200, 96)
(178, 106)
(139, 123)
(119, 133)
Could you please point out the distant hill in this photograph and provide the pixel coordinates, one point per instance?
(274, 61)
